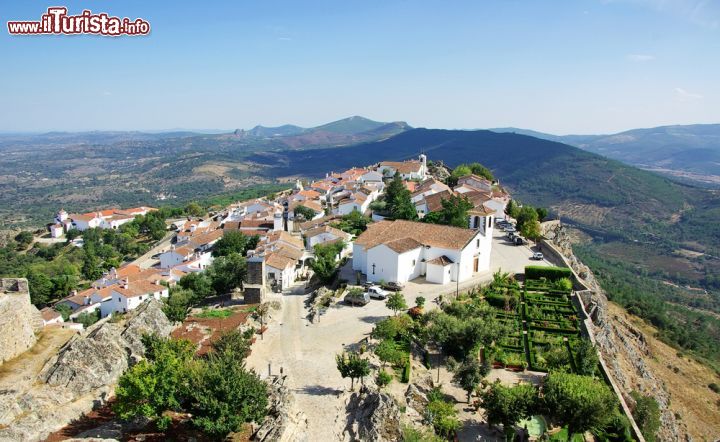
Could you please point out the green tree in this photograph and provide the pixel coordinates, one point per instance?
(234, 344)
(586, 358)
(351, 365)
(512, 209)
(646, 414)
(391, 353)
(396, 302)
(468, 375)
(526, 215)
(580, 402)
(454, 212)
(200, 284)
(224, 395)
(531, 230)
(482, 171)
(420, 301)
(156, 384)
(393, 189)
(325, 265)
(234, 241)
(177, 305)
(441, 414)
(227, 273)
(194, 209)
(542, 213)
(305, 212)
(393, 328)
(41, 287)
(91, 269)
(64, 311)
(506, 406)
(460, 171)
(24, 239)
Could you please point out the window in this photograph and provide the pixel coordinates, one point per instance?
(477, 243)
(413, 264)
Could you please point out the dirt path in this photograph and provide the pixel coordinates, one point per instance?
(21, 372)
(306, 354)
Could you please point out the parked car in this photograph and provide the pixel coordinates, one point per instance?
(510, 229)
(357, 299)
(375, 292)
(393, 286)
(519, 240)
(538, 256)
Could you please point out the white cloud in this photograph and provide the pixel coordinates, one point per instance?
(284, 38)
(640, 58)
(107, 93)
(684, 95)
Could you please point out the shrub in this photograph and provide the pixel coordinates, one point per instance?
(563, 284)
(714, 387)
(549, 273)
(383, 378)
(406, 372)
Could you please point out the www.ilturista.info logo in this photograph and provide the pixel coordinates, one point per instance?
(56, 21)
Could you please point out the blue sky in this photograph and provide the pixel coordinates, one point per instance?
(561, 66)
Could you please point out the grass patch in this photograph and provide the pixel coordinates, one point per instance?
(214, 314)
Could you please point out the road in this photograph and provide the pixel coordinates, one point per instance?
(145, 261)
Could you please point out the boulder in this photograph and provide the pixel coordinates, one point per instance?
(372, 416)
(81, 377)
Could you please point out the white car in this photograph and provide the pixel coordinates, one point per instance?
(510, 229)
(538, 256)
(375, 292)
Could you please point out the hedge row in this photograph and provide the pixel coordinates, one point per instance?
(549, 273)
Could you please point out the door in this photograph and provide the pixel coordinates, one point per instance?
(476, 264)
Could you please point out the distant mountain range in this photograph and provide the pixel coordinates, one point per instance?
(690, 153)
(347, 127)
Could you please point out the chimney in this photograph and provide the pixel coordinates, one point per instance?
(74, 293)
(126, 283)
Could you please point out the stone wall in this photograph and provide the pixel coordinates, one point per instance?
(621, 346)
(18, 318)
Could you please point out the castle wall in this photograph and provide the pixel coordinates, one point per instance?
(18, 318)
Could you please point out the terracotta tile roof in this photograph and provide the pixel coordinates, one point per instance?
(207, 238)
(434, 201)
(127, 270)
(412, 166)
(279, 261)
(306, 225)
(428, 185)
(285, 237)
(231, 225)
(467, 180)
(447, 237)
(481, 211)
(49, 314)
(403, 245)
(312, 194)
(441, 261)
(289, 252)
(79, 298)
(410, 185)
(327, 229)
(137, 288)
(83, 217)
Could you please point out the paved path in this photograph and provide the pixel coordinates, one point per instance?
(306, 353)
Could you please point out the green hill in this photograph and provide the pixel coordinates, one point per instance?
(652, 237)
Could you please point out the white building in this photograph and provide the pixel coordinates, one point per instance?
(408, 170)
(399, 251)
(50, 316)
(56, 230)
(128, 296)
(325, 234)
(175, 256)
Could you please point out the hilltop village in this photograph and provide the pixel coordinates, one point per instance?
(429, 287)
(291, 225)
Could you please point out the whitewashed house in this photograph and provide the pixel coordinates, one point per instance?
(175, 256)
(325, 234)
(399, 251)
(408, 170)
(127, 296)
(50, 316)
(56, 230)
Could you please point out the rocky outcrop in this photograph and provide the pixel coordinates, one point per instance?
(372, 416)
(622, 346)
(18, 318)
(283, 422)
(81, 377)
